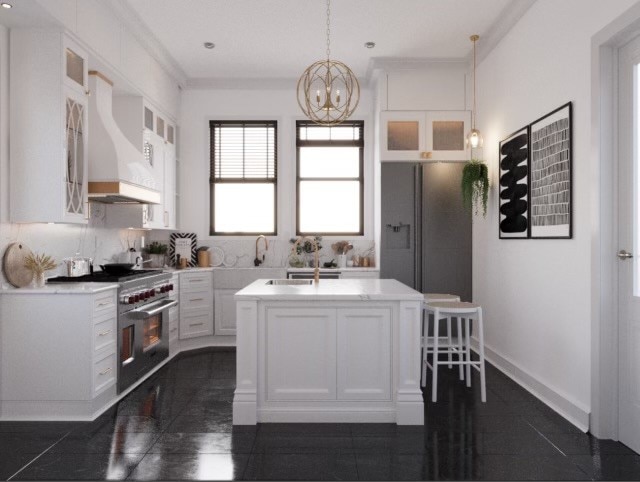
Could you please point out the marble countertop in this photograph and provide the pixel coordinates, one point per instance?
(331, 289)
(60, 289)
(348, 269)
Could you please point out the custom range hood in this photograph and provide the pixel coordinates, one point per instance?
(118, 171)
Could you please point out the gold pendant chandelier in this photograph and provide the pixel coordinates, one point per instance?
(474, 137)
(328, 90)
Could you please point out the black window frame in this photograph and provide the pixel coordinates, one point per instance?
(330, 143)
(213, 181)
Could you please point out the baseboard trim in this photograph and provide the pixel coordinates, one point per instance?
(325, 416)
(565, 407)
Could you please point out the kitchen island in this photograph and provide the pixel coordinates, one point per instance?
(344, 350)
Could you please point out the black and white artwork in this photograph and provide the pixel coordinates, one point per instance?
(514, 187)
(550, 175)
(185, 245)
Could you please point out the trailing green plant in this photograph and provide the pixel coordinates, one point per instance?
(475, 186)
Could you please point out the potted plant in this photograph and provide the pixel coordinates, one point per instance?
(157, 253)
(475, 186)
(305, 247)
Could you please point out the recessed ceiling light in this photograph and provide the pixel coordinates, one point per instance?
(5, 5)
(209, 45)
(369, 45)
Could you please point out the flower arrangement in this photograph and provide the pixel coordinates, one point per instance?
(307, 246)
(38, 264)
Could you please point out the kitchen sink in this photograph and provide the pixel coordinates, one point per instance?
(289, 282)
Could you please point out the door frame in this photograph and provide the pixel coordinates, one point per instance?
(604, 224)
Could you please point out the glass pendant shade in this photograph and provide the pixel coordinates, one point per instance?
(474, 139)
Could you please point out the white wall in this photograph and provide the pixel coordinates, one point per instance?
(201, 105)
(536, 293)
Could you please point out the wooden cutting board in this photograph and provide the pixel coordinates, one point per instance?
(13, 265)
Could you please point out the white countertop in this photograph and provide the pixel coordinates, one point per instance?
(60, 289)
(331, 289)
(347, 269)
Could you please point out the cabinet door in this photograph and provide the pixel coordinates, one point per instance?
(300, 354)
(364, 354)
(75, 160)
(155, 212)
(445, 135)
(76, 69)
(402, 135)
(169, 196)
(225, 308)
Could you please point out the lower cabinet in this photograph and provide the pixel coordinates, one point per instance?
(196, 304)
(330, 354)
(225, 311)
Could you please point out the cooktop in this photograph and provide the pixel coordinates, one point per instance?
(103, 277)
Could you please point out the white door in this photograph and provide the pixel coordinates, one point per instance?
(629, 244)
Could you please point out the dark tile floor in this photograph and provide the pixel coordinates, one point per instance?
(177, 426)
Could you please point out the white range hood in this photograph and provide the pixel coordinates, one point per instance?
(118, 172)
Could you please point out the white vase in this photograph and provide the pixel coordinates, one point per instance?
(342, 261)
(38, 279)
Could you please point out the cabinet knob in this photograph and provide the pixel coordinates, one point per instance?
(425, 155)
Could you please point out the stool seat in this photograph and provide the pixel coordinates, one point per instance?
(436, 297)
(453, 306)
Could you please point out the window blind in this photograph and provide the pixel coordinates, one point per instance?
(243, 151)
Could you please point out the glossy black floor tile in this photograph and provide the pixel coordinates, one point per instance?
(339, 466)
(204, 443)
(178, 426)
(55, 466)
(190, 467)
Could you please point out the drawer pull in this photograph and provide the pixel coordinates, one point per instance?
(196, 324)
(105, 303)
(104, 372)
(104, 333)
(174, 329)
(196, 299)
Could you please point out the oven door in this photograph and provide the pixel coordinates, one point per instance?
(143, 341)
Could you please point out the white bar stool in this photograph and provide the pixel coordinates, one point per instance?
(449, 347)
(468, 312)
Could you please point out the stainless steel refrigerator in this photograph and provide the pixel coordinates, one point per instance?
(426, 233)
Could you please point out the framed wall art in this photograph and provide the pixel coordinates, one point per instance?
(514, 186)
(550, 175)
(185, 245)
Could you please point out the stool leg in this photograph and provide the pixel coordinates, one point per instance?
(468, 349)
(425, 336)
(460, 344)
(434, 386)
(449, 342)
(483, 388)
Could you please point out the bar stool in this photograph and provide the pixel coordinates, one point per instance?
(463, 311)
(449, 347)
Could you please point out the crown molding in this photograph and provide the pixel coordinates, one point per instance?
(249, 84)
(148, 39)
(407, 63)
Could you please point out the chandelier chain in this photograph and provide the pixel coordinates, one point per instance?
(328, 29)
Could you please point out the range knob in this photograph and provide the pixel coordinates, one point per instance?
(136, 297)
(152, 292)
(171, 287)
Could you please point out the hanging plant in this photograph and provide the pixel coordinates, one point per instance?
(475, 186)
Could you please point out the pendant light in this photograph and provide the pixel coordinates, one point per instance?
(328, 91)
(474, 137)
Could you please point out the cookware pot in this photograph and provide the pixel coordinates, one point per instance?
(116, 268)
(77, 266)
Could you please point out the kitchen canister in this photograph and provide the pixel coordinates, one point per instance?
(204, 259)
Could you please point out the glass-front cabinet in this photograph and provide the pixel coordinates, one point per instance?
(424, 135)
(49, 128)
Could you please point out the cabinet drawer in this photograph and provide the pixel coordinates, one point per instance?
(104, 333)
(102, 302)
(195, 282)
(201, 300)
(104, 373)
(173, 330)
(196, 323)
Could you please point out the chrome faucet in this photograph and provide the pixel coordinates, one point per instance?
(258, 261)
(316, 255)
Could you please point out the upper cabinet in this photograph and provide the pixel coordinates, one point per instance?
(424, 135)
(49, 131)
(154, 135)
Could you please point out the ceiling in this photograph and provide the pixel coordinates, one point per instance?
(278, 39)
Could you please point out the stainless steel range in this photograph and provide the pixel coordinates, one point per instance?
(143, 319)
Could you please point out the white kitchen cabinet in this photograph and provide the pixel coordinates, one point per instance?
(424, 135)
(360, 274)
(226, 283)
(151, 133)
(333, 354)
(58, 350)
(49, 129)
(196, 304)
